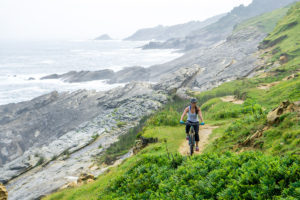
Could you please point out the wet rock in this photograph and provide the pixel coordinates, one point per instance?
(125, 75)
(61, 129)
(82, 76)
(130, 74)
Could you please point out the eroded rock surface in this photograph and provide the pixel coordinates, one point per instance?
(232, 58)
(273, 116)
(71, 127)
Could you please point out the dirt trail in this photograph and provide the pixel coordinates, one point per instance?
(267, 86)
(232, 100)
(204, 133)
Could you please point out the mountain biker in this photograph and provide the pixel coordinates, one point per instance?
(193, 112)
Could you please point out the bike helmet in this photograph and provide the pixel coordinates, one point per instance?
(193, 100)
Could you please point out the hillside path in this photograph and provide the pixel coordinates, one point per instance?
(204, 133)
(232, 100)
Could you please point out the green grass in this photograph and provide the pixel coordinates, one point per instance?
(174, 136)
(270, 171)
(237, 122)
(285, 38)
(169, 137)
(122, 146)
(248, 175)
(266, 22)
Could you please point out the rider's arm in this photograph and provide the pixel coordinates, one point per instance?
(184, 113)
(200, 115)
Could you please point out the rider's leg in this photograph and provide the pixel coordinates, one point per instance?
(187, 129)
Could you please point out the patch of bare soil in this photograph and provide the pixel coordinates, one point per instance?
(267, 86)
(232, 100)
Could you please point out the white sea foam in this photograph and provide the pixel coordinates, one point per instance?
(20, 62)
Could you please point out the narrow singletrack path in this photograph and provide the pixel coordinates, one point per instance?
(232, 100)
(204, 132)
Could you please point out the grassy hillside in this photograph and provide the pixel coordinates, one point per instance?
(265, 22)
(266, 168)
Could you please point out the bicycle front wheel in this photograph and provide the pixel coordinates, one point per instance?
(192, 144)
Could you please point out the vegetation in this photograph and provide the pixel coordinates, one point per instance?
(265, 22)
(269, 168)
(285, 39)
(40, 161)
(211, 176)
(239, 123)
(121, 124)
(173, 135)
(169, 115)
(95, 136)
(121, 147)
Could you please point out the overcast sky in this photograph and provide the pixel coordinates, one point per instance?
(85, 19)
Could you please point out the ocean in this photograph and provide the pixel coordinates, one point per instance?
(22, 60)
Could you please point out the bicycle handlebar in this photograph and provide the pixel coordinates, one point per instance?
(193, 123)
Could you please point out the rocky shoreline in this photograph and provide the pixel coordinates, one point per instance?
(64, 130)
(72, 151)
(125, 75)
(49, 140)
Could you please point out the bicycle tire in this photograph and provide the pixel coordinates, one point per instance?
(192, 141)
(192, 146)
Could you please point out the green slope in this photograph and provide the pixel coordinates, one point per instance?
(265, 22)
(268, 168)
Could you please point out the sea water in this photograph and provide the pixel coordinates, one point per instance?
(23, 63)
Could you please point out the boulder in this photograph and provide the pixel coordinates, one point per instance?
(70, 185)
(273, 116)
(283, 59)
(142, 142)
(3, 192)
(85, 178)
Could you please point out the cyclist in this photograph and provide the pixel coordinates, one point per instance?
(193, 112)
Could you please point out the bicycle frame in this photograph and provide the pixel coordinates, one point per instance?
(192, 136)
(192, 140)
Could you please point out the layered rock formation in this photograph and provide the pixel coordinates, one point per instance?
(221, 29)
(166, 32)
(48, 141)
(231, 58)
(125, 75)
(59, 141)
(225, 61)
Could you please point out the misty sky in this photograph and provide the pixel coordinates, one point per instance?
(86, 19)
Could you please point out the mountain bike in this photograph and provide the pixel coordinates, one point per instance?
(191, 135)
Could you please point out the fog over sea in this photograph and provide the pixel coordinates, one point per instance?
(21, 60)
